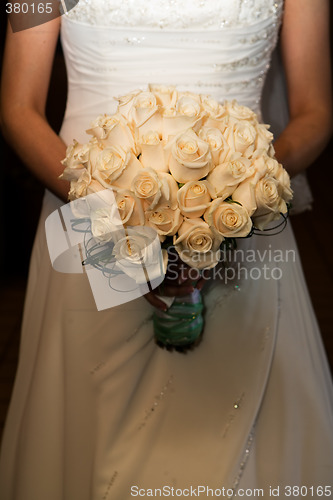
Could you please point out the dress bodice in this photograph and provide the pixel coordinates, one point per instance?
(219, 48)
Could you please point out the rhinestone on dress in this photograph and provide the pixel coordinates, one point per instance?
(174, 14)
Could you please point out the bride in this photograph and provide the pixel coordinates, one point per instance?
(98, 410)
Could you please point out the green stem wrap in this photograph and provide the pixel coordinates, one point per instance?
(182, 324)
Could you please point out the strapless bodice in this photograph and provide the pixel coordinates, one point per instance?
(221, 48)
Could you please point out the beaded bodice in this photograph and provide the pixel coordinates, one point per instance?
(216, 47)
(174, 14)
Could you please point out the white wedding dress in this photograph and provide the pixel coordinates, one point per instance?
(98, 410)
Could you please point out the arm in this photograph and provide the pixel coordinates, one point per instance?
(306, 56)
(26, 75)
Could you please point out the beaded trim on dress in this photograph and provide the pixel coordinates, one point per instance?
(174, 14)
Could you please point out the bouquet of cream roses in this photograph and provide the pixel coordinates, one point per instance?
(195, 171)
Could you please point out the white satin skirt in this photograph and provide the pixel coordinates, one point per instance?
(99, 411)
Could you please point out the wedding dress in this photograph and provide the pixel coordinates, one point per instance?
(98, 410)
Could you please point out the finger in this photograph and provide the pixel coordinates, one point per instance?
(201, 283)
(153, 300)
(178, 290)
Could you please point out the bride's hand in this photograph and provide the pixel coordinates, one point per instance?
(180, 280)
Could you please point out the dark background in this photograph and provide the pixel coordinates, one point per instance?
(20, 200)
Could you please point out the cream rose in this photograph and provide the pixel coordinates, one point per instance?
(76, 155)
(225, 177)
(190, 157)
(76, 161)
(152, 152)
(169, 190)
(78, 187)
(115, 167)
(212, 107)
(241, 137)
(230, 220)
(125, 103)
(186, 114)
(113, 131)
(194, 198)
(144, 114)
(283, 178)
(102, 227)
(245, 193)
(166, 96)
(138, 254)
(197, 245)
(218, 145)
(269, 202)
(94, 187)
(237, 112)
(264, 137)
(129, 207)
(147, 185)
(164, 220)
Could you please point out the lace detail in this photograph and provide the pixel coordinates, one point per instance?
(174, 14)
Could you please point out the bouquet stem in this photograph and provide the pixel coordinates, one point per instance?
(181, 326)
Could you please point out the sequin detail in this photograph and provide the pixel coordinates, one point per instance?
(110, 484)
(243, 463)
(174, 14)
(157, 400)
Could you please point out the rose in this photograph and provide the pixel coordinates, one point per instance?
(169, 190)
(225, 177)
(138, 254)
(264, 137)
(147, 185)
(262, 165)
(266, 164)
(237, 112)
(164, 220)
(78, 187)
(212, 107)
(115, 167)
(186, 114)
(76, 161)
(152, 152)
(125, 103)
(241, 137)
(197, 245)
(113, 131)
(165, 96)
(76, 155)
(269, 202)
(144, 114)
(218, 145)
(194, 197)
(94, 187)
(284, 182)
(230, 220)
(216, 113)
(190, 157)
(102, 226)
(129, 207)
